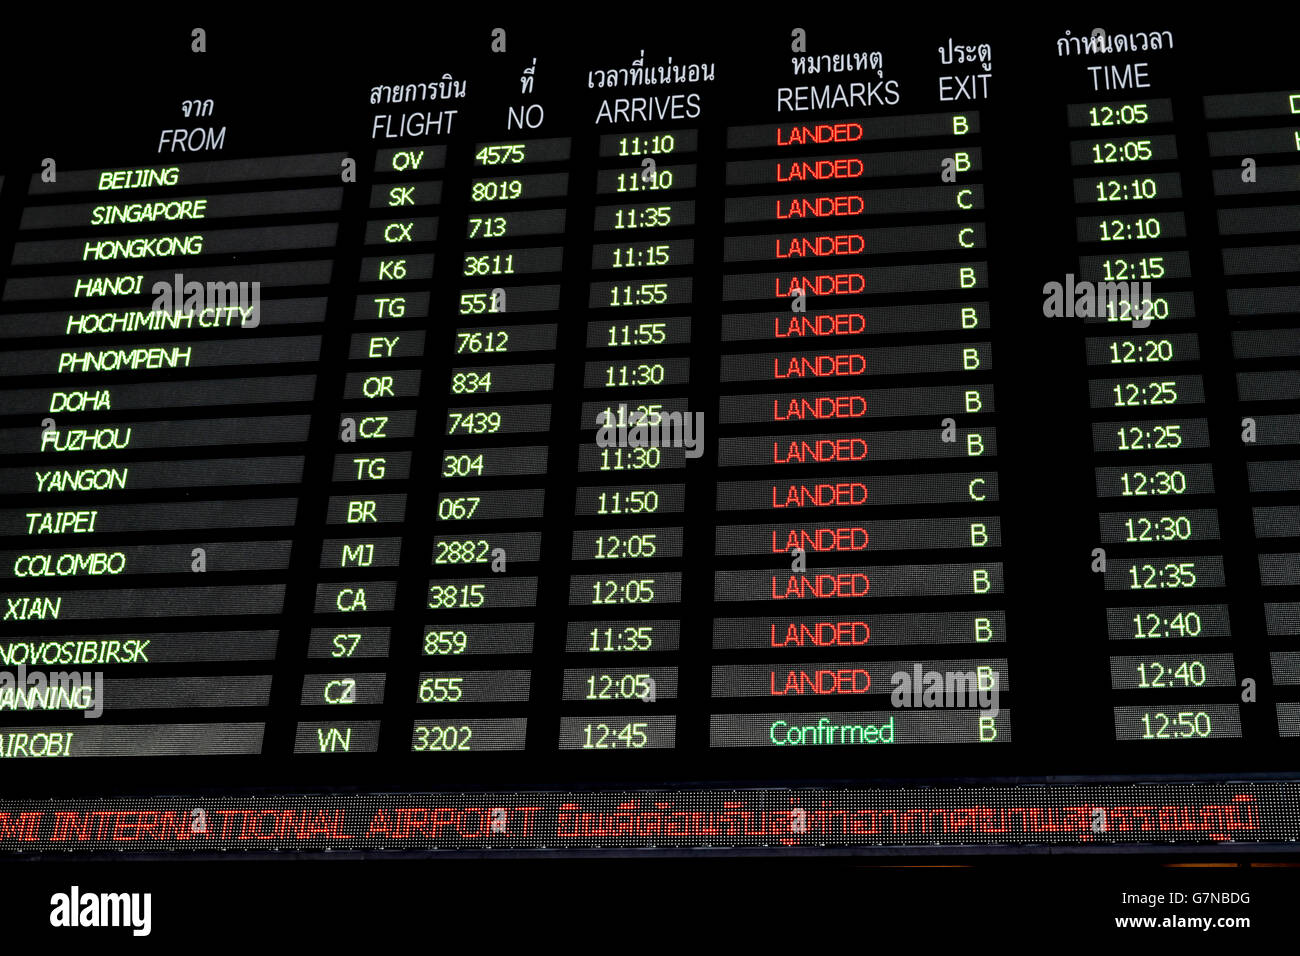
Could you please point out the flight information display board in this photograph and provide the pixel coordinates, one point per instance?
(510, 436)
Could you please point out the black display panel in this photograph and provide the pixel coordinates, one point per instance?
(815, 436)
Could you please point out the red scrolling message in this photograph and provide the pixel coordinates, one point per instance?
(1010, 815)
